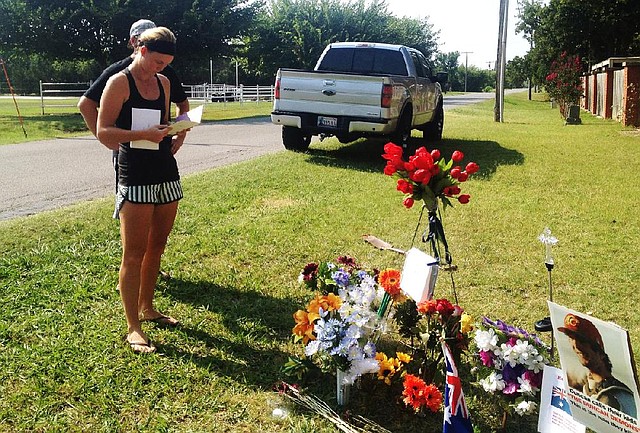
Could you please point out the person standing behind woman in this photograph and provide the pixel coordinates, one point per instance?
(148, 180)
(90, 101)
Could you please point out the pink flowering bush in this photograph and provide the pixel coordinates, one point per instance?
(563, 82)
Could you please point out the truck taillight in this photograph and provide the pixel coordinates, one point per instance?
(387, 94)
(277, 89)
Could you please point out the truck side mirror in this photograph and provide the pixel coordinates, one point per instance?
(442, 77)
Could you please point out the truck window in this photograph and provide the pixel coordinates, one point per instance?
(425, 64)
(337, 60)
(364, 60)
(418, 65)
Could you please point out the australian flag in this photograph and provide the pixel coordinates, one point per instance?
(559, 399)
(456, 413)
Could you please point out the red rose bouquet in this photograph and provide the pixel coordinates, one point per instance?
(428, 177)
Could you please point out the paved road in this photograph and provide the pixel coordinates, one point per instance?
(466, 99)
(49, 174)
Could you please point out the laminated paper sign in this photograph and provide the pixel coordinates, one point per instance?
(419, 275)
(555, 409)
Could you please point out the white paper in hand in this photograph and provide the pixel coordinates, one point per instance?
(143, 118)
(187, 120)
(419, 275)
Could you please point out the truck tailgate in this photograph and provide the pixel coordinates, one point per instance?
(331, 93)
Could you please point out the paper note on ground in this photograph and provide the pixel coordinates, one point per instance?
(143, 118)
(555, 409)
(186, 120)
(419, 275)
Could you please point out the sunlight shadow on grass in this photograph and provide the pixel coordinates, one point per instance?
(365, 155)
(244, 316)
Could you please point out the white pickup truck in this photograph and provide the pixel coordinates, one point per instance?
(360, 89)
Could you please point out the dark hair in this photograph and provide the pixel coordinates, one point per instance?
(595, 347)
(158, 39)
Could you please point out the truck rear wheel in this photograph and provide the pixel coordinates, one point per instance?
(433, 130)
(403, 130)
(295, 139)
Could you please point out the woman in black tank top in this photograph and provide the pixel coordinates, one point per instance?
(133, 119)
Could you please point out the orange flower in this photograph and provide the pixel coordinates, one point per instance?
(329, 302)
(333, 302)
(403, 357)
(427, 307)
(433, 398)
(417, 394)
(304, 326)
(305, 319)
(390, 281)
(413, 392)
(388, 367)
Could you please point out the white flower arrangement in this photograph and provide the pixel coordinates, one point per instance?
(511, 364)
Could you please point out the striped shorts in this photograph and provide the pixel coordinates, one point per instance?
(161, 193)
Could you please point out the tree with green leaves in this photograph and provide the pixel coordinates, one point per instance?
(293, 33)
(529, 14)
(78, 30)
(448, 62)
(56, 36)
(517, 72)
(478, 80)
(594, 30)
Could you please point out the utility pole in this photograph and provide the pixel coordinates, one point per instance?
(466, 67)
(237, 74)
(501, 60)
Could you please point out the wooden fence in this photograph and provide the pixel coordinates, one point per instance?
(58, 94)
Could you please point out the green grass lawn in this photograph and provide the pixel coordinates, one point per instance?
(242, 236)
(62, 118)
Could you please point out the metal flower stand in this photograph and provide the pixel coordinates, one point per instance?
(544, 325)
(434, 236)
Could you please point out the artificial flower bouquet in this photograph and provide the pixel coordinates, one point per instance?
(413, 373)
(416, 393)
(337, 326)
(427, 176)
(428, 323)
(342, 323)
(510, 364)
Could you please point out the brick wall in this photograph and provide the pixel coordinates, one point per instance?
(631, 98)
(599, 91)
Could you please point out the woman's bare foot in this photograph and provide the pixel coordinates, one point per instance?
(139, 343)
(159, 318)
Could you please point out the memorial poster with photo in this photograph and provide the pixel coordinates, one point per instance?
(600, 377)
